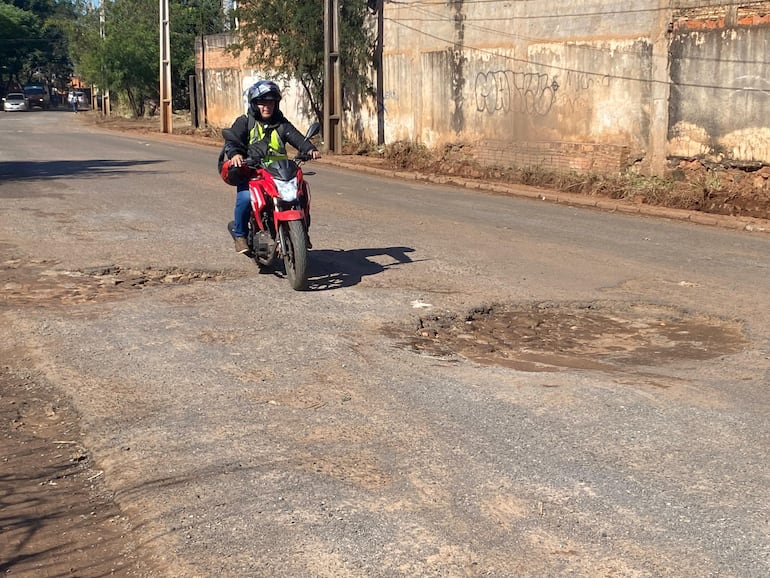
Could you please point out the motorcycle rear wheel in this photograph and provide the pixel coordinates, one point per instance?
(295, 257)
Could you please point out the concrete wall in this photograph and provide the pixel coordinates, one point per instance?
(720, 98)
(584, 85)
(222, 81)
(564, 85)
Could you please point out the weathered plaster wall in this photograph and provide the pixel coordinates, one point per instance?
(531, 78)
(226, 80)
(720, 97)
(587, 85)
(524, 77)
(219, 80)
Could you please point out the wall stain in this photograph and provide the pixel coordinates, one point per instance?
(457, 63)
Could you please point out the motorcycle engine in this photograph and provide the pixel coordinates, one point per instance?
(263, 244)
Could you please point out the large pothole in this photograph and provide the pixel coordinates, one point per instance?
(550, 336)
(41, 284)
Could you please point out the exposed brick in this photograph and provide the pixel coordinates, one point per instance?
(558, 156)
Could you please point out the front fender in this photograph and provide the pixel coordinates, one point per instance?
(289, 215)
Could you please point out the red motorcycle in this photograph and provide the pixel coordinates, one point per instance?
(280, 203)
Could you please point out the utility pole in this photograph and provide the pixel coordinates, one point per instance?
(661, 90)
(105, 90)
(332, 121)
(203, 81)
(165, 69)
(378, 63)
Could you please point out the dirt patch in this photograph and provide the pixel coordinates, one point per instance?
(41, 284)
(57, 519)
(555, 336)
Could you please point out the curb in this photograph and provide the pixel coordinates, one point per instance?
(749, 224)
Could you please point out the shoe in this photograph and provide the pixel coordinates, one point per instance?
(241, 246)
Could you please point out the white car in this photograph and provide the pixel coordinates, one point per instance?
(80, 96)
(15, 101)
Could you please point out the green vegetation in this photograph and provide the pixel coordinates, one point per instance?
(33, 43)
(287, 38)
(115, 45)
(122, 55)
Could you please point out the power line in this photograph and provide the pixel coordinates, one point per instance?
(575, 70)
(435, 17)
(553, 14)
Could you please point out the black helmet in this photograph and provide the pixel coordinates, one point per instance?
(264, 90)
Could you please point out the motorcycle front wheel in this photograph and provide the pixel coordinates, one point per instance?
(295, 258)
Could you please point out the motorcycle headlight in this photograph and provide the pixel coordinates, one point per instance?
(287, 190)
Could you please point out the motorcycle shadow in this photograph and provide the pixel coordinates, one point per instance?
(338, 268)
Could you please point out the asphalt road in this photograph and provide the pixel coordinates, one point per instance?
(249, 430)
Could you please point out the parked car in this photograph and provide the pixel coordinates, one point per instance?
(82, 98)
(37, 95)
(15, 101)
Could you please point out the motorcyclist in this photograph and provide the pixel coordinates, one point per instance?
(267, 140)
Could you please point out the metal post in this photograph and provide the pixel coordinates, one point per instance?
(165, 70)
(193, 90)
(203, 82)
(380, 81)
(332, 84)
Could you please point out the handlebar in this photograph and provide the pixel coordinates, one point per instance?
(255, 163)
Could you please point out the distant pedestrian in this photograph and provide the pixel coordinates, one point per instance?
(73, 98)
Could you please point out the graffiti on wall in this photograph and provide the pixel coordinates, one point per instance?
(508, 91)
(578, 86)
(504, 91)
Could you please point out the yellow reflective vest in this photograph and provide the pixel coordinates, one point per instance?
(276, 148)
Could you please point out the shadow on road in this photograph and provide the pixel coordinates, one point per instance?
(337, 268)
(91, 168)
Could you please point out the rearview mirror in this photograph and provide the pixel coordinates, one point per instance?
(313, 130)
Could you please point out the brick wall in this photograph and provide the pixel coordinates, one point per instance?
(557, 156)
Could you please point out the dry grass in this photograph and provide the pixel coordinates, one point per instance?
(689, 185)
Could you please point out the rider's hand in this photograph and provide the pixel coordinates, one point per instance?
(316, 154)
(237, 160)
(235, 173)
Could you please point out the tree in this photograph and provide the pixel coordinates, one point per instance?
(18, 33)
(116, 47)
(33, 44)
(131, 51)
(125, 59)
(287, 37)
(86, 45)
(190, 19)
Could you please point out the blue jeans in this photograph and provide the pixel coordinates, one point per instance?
(242, 212)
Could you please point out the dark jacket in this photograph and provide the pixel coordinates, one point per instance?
(286, 131)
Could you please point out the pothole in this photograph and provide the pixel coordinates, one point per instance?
(40, 284)
(550, 336)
